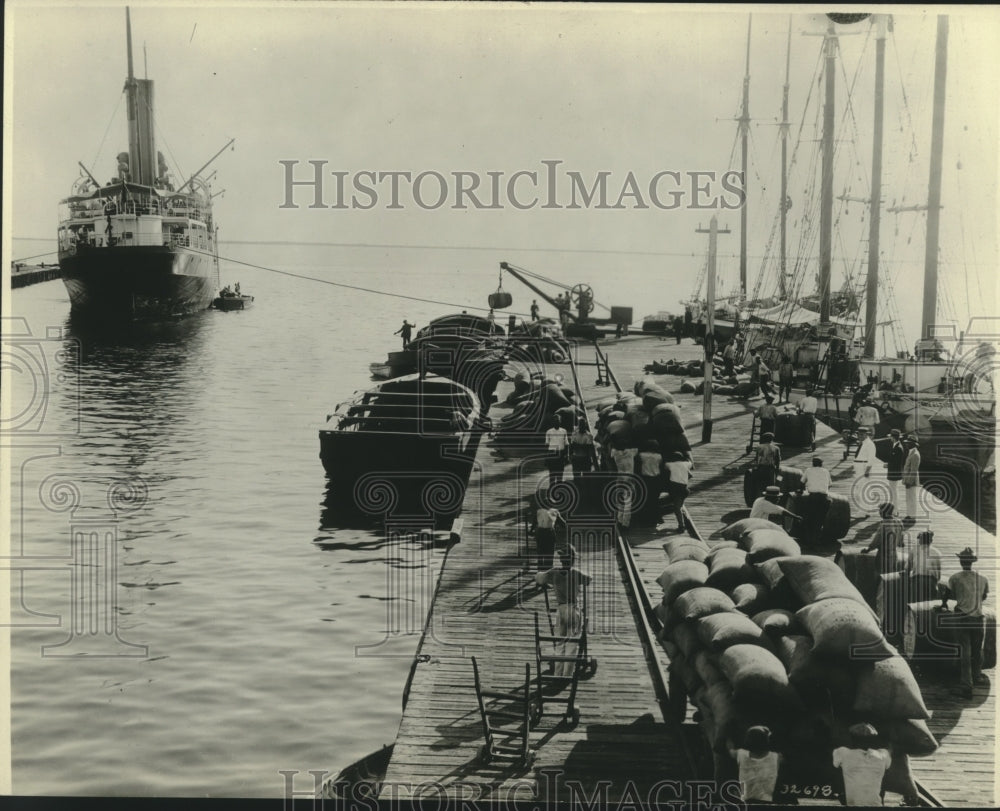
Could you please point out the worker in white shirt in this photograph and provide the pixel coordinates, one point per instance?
(863, 766)
(767, 505)
(556, 442)
(807, 407)
(923, 568)
(864, 460)
(758, 764)
(816, 486)
(544, 524)
(911, 475)
(867, 416)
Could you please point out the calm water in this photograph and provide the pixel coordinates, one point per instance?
(249, 594)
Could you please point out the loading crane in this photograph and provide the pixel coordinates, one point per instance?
(580, 297)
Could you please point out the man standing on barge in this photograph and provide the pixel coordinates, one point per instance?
(406, 331)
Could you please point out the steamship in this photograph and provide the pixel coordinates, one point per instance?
(137, 247)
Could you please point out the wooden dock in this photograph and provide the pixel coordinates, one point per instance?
(622, 748)
(22, 275)
(485, 607)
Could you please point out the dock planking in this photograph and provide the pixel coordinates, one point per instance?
(621, 749)
(962, 771)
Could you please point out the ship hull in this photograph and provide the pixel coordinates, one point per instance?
(126, 283)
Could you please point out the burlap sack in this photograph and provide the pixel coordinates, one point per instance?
(719, 631)
(758, 676)
(776, 622)
(700, 602)
(887, 689)
(910, 736)
(813, 578)
(678, 549)
(737, 529)
(750, 597)
(764, 544)
(680, 577)
(844, 629)
(728, 568)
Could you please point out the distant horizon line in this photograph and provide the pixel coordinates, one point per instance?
(721, 255)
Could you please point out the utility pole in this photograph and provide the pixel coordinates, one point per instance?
(706, 411)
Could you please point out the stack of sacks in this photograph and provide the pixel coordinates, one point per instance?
(542, 399)
(658, 417)
(725, 659)
(832, 650)
(842, 662)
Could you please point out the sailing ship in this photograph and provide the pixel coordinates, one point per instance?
(943, 393)
(137, 247)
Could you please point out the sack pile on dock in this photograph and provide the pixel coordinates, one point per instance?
(649, 412)
(759, 634)
(737, 384)
(536, 400)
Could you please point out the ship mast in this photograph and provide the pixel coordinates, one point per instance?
(934, 191)
(782, 279)
(141, 147)
(871, 294)
(744, 129)
(826, 200)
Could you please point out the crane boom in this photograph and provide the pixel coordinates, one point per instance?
(544, 295)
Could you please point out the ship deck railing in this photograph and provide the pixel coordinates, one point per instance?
(100, 240)
(95, 210)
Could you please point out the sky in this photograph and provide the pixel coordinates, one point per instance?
(441, 88)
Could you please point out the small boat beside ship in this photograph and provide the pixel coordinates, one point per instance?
(137, 246)
(416, 426)
(229, 300)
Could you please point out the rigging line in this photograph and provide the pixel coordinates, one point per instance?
(342, 284)
(166, 144)
(540, 277)
(902, 89)
(316, 244)
(967, 247)
(36, 256)
(108, 128)
(849, 106)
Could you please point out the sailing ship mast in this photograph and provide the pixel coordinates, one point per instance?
(826, 189)
(744, 130)
(934, 191)
(871, 295)
(784, 127)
